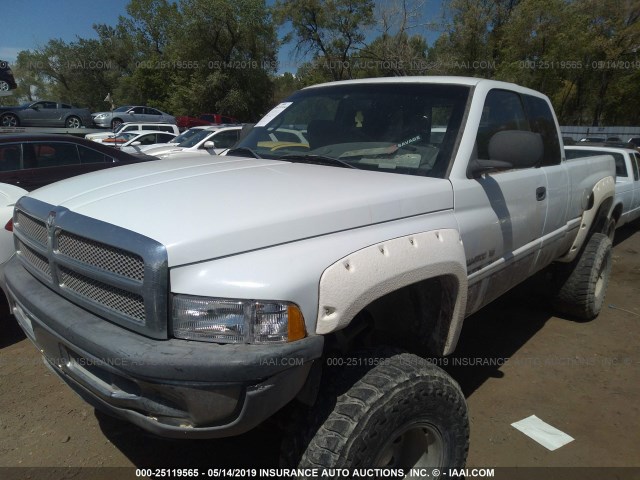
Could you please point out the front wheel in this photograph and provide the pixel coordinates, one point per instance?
(402, 413)
(10, 120)
(73, 122)
(4, 86)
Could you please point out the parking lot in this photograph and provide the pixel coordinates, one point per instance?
(514, 359)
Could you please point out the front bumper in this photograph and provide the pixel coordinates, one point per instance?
(173, 388)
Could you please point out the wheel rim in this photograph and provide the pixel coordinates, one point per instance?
(418, 444)
(73, 122)
(4, 86)
(9, 121)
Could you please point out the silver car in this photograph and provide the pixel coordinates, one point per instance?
(45, 114)
(130, 113)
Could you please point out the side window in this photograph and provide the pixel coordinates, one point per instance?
(52, 154)
(503, 110)
(621, 167)
(129, 128)
(634, 165)
(49, 105)
(225, 139)
(208, 118)
(10, 157)
(151, 111)
(165, 128)
(542, 122)
(138, 110)
(149, 139)
(88, 155)
(164, 138)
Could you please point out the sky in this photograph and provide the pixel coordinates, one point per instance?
(29, 24)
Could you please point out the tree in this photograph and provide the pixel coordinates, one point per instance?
(329, 30)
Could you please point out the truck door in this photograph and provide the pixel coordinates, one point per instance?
(501, 214)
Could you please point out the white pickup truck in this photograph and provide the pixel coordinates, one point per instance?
(197, 298)
(626, 206)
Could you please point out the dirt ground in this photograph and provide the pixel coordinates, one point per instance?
(514, 359)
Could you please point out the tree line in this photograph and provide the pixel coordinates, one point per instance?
(191, 56)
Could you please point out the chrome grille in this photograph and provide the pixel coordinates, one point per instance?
(34, 258)
(33, 228)
(102, 256)
(130, 304)
(114, 273)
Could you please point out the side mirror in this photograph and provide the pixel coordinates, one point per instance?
(209, 145)
(135, 144)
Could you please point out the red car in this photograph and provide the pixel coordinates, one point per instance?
(204, 119)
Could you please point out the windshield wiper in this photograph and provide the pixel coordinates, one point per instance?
(242, 152)
(316, 159)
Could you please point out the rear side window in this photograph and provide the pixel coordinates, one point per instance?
(52, 154)
(165, 128)
(129, 128)
(542, 122)
(88, 155)
(634, 164)
(10, 156)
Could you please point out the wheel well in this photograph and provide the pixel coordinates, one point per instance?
(601, 221)
(617, 212)
(415, 318)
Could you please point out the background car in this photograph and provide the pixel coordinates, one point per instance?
(7, 82)
(134, 140)
(210, 141)
(204, 119)
(45, 113)
(28, 162)
(32, 161)
(134, 127)
(130, 113)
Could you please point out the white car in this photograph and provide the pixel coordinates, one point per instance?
(133, 126)
(209, 141)
(167, 147)
(136, 139)
(9, 195)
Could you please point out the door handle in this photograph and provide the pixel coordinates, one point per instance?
(541, 193)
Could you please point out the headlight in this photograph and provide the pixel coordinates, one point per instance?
(102, 115)
(236, 321)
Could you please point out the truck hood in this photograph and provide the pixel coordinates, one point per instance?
(207, 208)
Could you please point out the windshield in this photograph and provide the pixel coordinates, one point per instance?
(187, 134)
(195, 139)
(407, 128)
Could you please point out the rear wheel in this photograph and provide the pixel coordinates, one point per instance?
(73, 122)
(582, 285)
(9, 120)
(390, 410)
